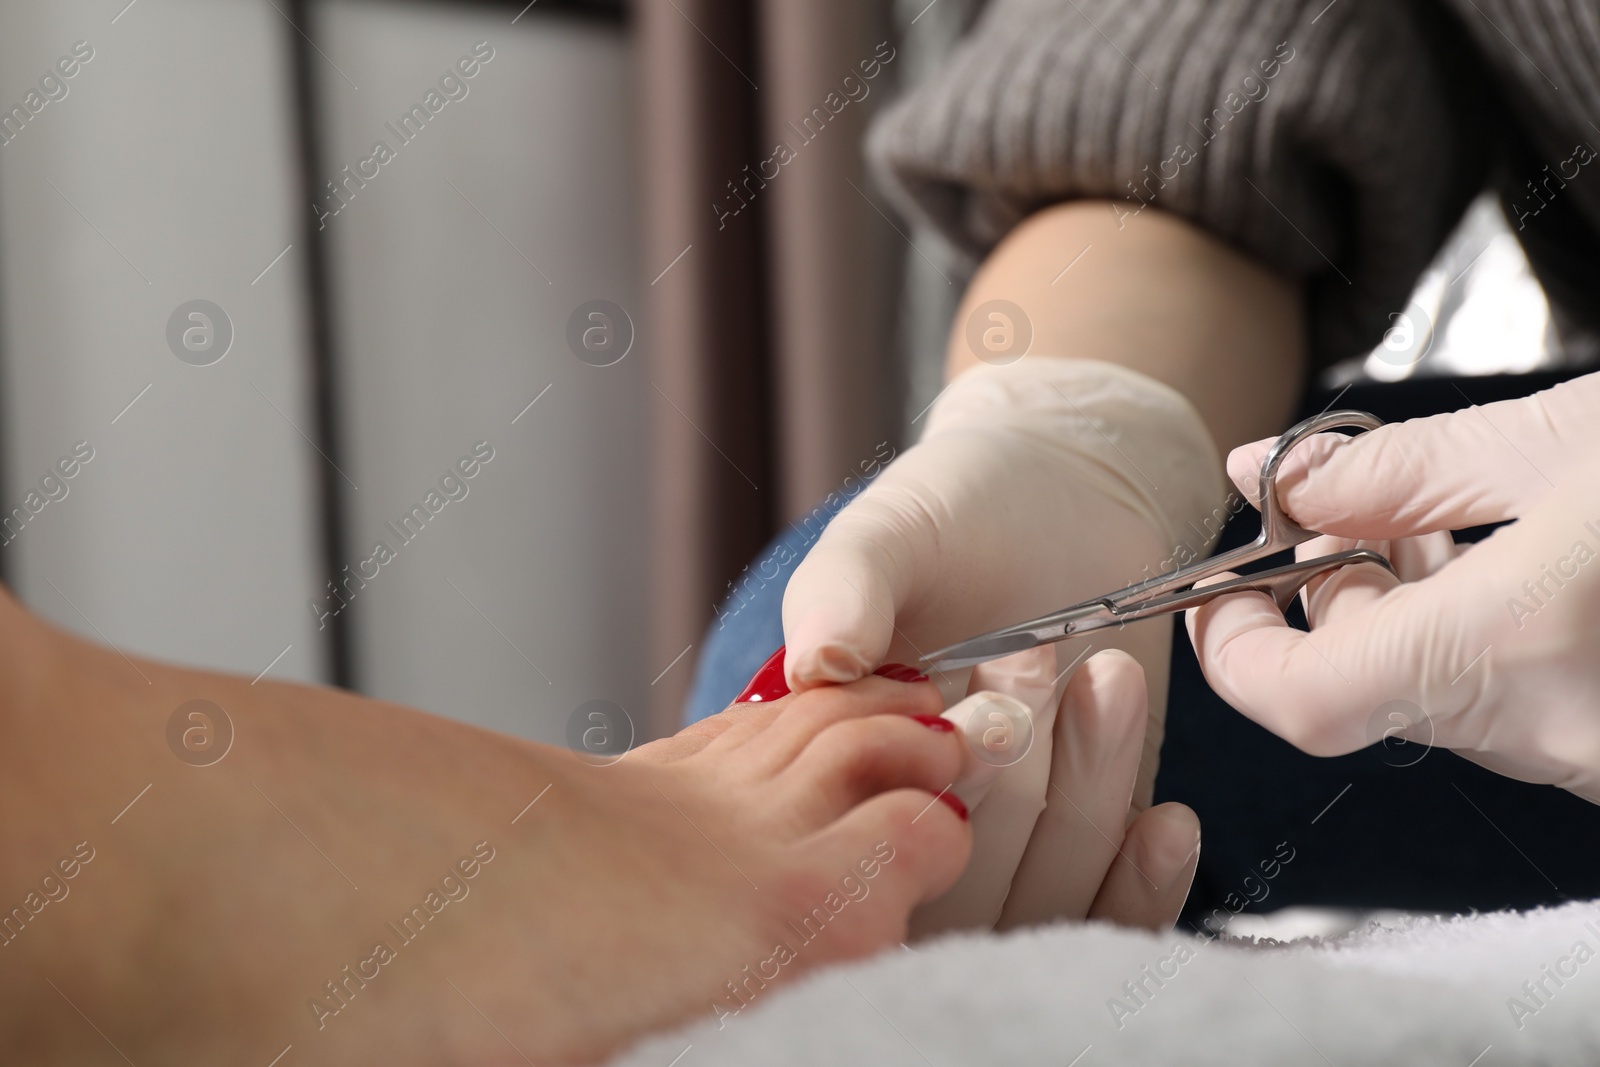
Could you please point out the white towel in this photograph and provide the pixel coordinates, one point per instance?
(1484, 991)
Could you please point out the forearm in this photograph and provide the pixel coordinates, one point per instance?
(1158, 296)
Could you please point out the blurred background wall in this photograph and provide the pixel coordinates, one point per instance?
(164, 174)
(427, 313)
(454, 273)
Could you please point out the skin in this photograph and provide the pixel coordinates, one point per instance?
(206, 921)
(1159, 296)
(219, 901)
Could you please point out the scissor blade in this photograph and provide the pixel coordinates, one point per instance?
(981, 650)
(1080, 618)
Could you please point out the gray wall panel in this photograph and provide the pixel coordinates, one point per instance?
(192, 534)
(456, 269)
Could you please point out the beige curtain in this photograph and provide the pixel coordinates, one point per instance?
(770, 330)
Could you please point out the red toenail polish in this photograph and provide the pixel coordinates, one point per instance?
(767, 684)
(934, 722)
(955, 805)
(899, 672)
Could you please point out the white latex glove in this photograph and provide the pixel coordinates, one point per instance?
(1035, 485)
(1057, 835)
(1490, 651)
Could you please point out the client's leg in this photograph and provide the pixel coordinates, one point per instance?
(371, 884)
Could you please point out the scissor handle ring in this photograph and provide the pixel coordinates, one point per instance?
(1276, 526)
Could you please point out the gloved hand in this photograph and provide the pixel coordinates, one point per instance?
(1058, 835)
(1488, 650)
(1035, 485)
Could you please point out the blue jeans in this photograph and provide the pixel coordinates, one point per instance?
(749, 624)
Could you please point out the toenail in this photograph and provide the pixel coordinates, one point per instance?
(933, 722)
(899, 672)
(767, 683)
(955, 804)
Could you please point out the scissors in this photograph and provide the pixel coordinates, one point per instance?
(1174, 591)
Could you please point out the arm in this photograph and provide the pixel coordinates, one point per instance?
(1159, 296)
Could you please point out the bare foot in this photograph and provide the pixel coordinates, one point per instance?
(356, 882)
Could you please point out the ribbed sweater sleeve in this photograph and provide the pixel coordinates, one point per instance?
(1332, 141)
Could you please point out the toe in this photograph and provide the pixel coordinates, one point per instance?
(728, 728)
(856, 759)
(739, 723)
(669, 749)
(808, 715)
(883, 858)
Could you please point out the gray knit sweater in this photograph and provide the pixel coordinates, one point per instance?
(1337, 141)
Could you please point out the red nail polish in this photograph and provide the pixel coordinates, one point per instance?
(955, 805)
(899, 672)
(934, 722)
(767, 683)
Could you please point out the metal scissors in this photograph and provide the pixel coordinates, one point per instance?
(1174, 591)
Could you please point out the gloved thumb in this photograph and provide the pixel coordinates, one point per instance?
(839, 607)
(1446, 472)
